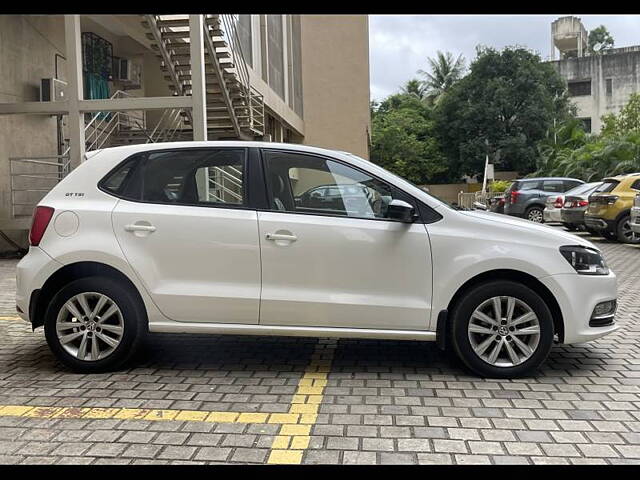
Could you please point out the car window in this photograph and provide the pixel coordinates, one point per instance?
(636, 185)
(570, 184)
(115, 181)
(528, 185)
(194, 177)
(582, 188)
(553, 186)
(293, 180)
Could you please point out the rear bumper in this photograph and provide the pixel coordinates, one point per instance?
(597, 223)
(32, 271)
(552, 215)
(577, 296)
(635, 219)
(573, 216)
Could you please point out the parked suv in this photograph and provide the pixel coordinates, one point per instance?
(526, 198)
(206, 237)
(609, 210)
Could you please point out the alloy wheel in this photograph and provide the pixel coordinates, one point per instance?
(89, 326)
(504, 331)
(535, 215)
(629, 235)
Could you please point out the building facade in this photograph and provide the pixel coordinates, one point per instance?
(598, 83)
(118, 79)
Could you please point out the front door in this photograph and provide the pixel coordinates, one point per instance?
(330, 257)
(190, 237)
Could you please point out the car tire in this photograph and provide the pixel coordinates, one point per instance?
(469, 339)
(609, 235)
(624, 234)
(534, 214)
(570, 227)
(105, 336)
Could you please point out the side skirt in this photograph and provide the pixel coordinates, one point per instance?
(288, 331)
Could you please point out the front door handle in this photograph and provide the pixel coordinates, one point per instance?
(139, 228)
(280, 236)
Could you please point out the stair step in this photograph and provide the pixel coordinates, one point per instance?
(180, 22)
(187, 57)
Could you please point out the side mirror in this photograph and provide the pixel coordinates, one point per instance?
(479, 206)
(402, 211)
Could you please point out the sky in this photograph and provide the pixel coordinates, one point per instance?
(400, 44)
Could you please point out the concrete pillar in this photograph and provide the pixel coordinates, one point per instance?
(198, 85)
(75, 88)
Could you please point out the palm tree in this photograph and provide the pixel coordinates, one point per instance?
(445, 71)
(414, 87)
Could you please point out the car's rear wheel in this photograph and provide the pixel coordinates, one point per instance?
(624, 232)
(93, 324)
(502, 329)
(534, 214)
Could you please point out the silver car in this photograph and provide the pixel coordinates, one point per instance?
(635, 215)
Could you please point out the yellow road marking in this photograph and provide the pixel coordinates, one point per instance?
(290, 419)
(10, 318)
(293, 439)
(288, 446)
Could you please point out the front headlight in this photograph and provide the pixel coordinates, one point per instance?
(585, 261)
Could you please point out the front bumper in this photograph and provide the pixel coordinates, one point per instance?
(635, 219)
(32, 271)
(577, 296)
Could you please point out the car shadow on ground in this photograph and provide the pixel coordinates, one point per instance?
(352, 357)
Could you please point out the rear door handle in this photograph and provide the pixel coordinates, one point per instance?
(281, 236)
(139, 228)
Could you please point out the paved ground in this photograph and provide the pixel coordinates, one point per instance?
(186, 399)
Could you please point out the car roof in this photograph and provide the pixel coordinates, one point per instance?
(535, 179)
(142, 147)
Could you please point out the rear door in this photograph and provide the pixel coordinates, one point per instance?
(186, 229)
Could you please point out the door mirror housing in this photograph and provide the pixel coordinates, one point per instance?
(402, 211)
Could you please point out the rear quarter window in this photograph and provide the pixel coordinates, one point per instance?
(116, 181)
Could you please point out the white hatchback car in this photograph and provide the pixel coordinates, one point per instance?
(278, 239)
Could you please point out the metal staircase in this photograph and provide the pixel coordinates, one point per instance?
(234, 108)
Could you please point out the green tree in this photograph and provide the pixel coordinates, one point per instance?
(403, 139)
(445, 72)
(627, 121)
(504, 107)
(599, 39)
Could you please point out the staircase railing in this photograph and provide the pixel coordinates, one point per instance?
(254, 100)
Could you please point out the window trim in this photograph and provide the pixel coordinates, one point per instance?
(144, 155)
(420, 207)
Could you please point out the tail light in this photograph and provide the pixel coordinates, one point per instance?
(583, 203)
(41, 218)
(514, 196)
(559, 202)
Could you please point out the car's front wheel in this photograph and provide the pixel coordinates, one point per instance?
(93, 324)
(502, 329)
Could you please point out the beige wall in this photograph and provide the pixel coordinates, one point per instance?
(28, 44)
(335, 82)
